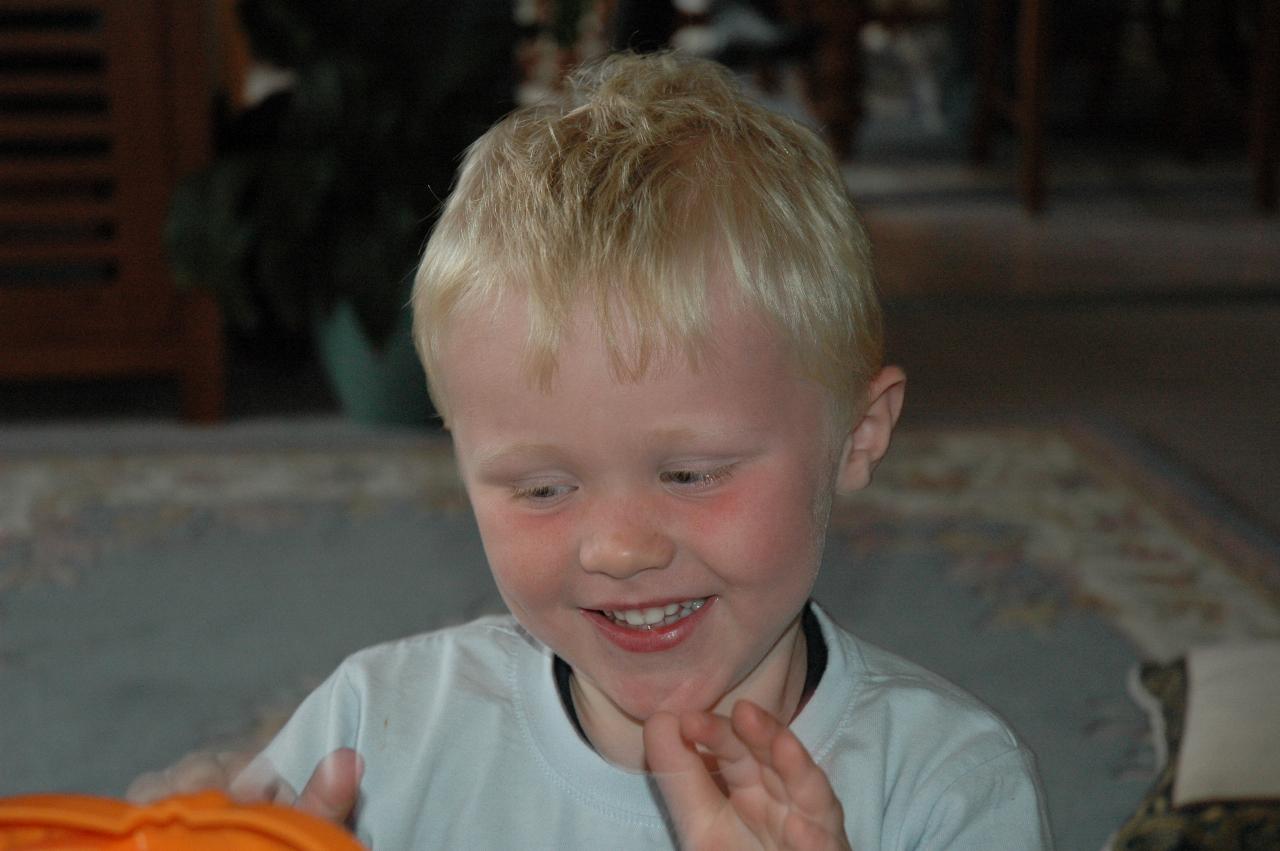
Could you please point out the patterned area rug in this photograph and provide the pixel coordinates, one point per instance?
(156, 602)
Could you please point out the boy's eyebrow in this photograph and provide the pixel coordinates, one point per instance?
(669, 436)
(659, 438)
(514, 450)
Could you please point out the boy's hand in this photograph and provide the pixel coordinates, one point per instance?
(195, 772)
(330, 794)
(769, 793)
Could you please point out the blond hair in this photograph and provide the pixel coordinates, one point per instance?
(653, 178)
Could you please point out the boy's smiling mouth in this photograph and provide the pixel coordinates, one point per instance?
(646, 629)
(654, 616)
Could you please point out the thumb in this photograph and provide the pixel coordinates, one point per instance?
(680, 772)
(334, 787)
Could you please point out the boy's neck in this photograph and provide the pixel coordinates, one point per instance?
(779, 689)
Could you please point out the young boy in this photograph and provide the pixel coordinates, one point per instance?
(648, 319)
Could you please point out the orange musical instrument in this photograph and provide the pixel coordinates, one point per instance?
(201, 822)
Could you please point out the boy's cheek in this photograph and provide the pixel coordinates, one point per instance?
(531, 539)
(756, 532)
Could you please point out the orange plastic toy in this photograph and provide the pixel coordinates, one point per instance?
(200, 822)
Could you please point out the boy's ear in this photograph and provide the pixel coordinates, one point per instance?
(868, 441)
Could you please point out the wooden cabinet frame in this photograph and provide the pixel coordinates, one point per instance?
(104, 105)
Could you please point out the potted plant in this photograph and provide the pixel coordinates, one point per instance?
(314, 212)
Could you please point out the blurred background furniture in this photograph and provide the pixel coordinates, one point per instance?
(1198, 35)
(1265, 111)
(1026, 106)
(103, 106)
(822, 39)
(834, 65)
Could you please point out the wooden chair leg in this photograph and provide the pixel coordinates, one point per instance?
(1195, 65)
(1032, 85)
(1266, 105)
(986, 81)
(203, 364)
(834, 74)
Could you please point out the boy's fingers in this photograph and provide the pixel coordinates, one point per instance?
(808, 785)
(198, 772)
(679, 771)
(146, 788)
(330, 794)
(756, 729)
(255, 782)
(334, 787)
(816, 818)
(715, 733)
(195, 772)
(801, 833)
(236, 761)
(783, 756)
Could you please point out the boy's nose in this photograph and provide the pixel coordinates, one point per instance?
(621, 552)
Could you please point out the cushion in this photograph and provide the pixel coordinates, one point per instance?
(1158, 824)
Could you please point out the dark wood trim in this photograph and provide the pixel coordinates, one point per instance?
(1032, 87)
(1265, 106)
(98, 298)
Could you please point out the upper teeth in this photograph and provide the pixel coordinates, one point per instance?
(656, 616)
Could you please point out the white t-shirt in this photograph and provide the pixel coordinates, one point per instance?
(467, 744)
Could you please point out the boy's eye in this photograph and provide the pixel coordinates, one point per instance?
(540, 493)
(695, 478)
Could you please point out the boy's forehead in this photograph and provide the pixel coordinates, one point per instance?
(496, 334)
(487, 377)
(747, 369)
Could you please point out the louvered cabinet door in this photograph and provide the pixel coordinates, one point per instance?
(103, 104)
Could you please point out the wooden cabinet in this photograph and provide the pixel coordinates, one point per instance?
(104, 104)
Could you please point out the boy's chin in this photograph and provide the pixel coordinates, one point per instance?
(641, 704)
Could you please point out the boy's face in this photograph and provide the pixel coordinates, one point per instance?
(706, 490)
